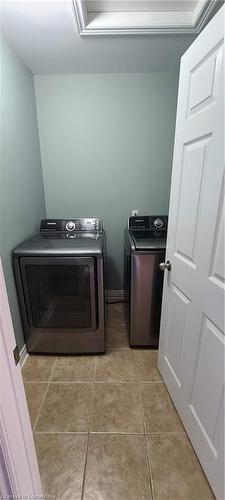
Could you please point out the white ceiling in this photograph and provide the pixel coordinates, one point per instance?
(45, 35)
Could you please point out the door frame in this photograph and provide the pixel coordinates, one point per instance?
(19, 474)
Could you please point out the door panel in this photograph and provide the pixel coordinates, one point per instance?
(177, 315)
(216, 273)
(205, 72)
(190, 194)
(210, 356)
(191, 354)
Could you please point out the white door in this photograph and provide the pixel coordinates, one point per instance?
(19, 474)
(191, 352)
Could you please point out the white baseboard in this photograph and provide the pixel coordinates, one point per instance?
(23, 355)
(114, 295)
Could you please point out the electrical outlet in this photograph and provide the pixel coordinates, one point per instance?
(134, 213)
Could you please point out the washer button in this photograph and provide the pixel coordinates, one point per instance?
(70, 226)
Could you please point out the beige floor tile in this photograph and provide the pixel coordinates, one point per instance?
(115, 314)
(177, 474)
(74, 368)
(117, 408)
(117, 469)
(147, 365)
(117, 336)
(116, 365)
(38, 368)
(159, 412)
(66, 408)
(34, 395)
(61, 459)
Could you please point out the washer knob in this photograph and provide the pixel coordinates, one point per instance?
(158, 223)
(70, 226)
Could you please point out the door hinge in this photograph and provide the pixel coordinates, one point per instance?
(16, 354)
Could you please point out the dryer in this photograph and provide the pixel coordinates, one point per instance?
(59, 276)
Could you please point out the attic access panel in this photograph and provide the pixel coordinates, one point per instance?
(120, 17)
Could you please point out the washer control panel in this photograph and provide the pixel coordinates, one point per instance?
(70, 225)
(148, 222)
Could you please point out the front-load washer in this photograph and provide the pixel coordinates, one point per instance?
(59, 277)
(145, 244)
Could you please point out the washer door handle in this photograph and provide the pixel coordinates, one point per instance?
(165, 265)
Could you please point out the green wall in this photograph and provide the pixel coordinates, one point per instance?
(22, 196)
(106, 146)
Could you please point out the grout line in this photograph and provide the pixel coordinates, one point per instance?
(114, 381)
(136, 363)
(119, 433)
(91, 381)
(35, 381)
(53, 368)
(165, 433)
(63, 382)
(44, 397)
(89, 428)
(150, 467)
(151, 489)
(79, 433)
(95, 369)
(147, 382)
(85, 466)
(79, 382)
(140, 393)
(112, 432)
(88, 382)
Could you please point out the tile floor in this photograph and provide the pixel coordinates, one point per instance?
(105, 427)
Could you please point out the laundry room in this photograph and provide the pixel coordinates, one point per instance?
(112, 290)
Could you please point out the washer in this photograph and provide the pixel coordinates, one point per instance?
(145, 244)
(59, 276)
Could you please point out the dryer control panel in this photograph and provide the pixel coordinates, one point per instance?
(71, 225)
